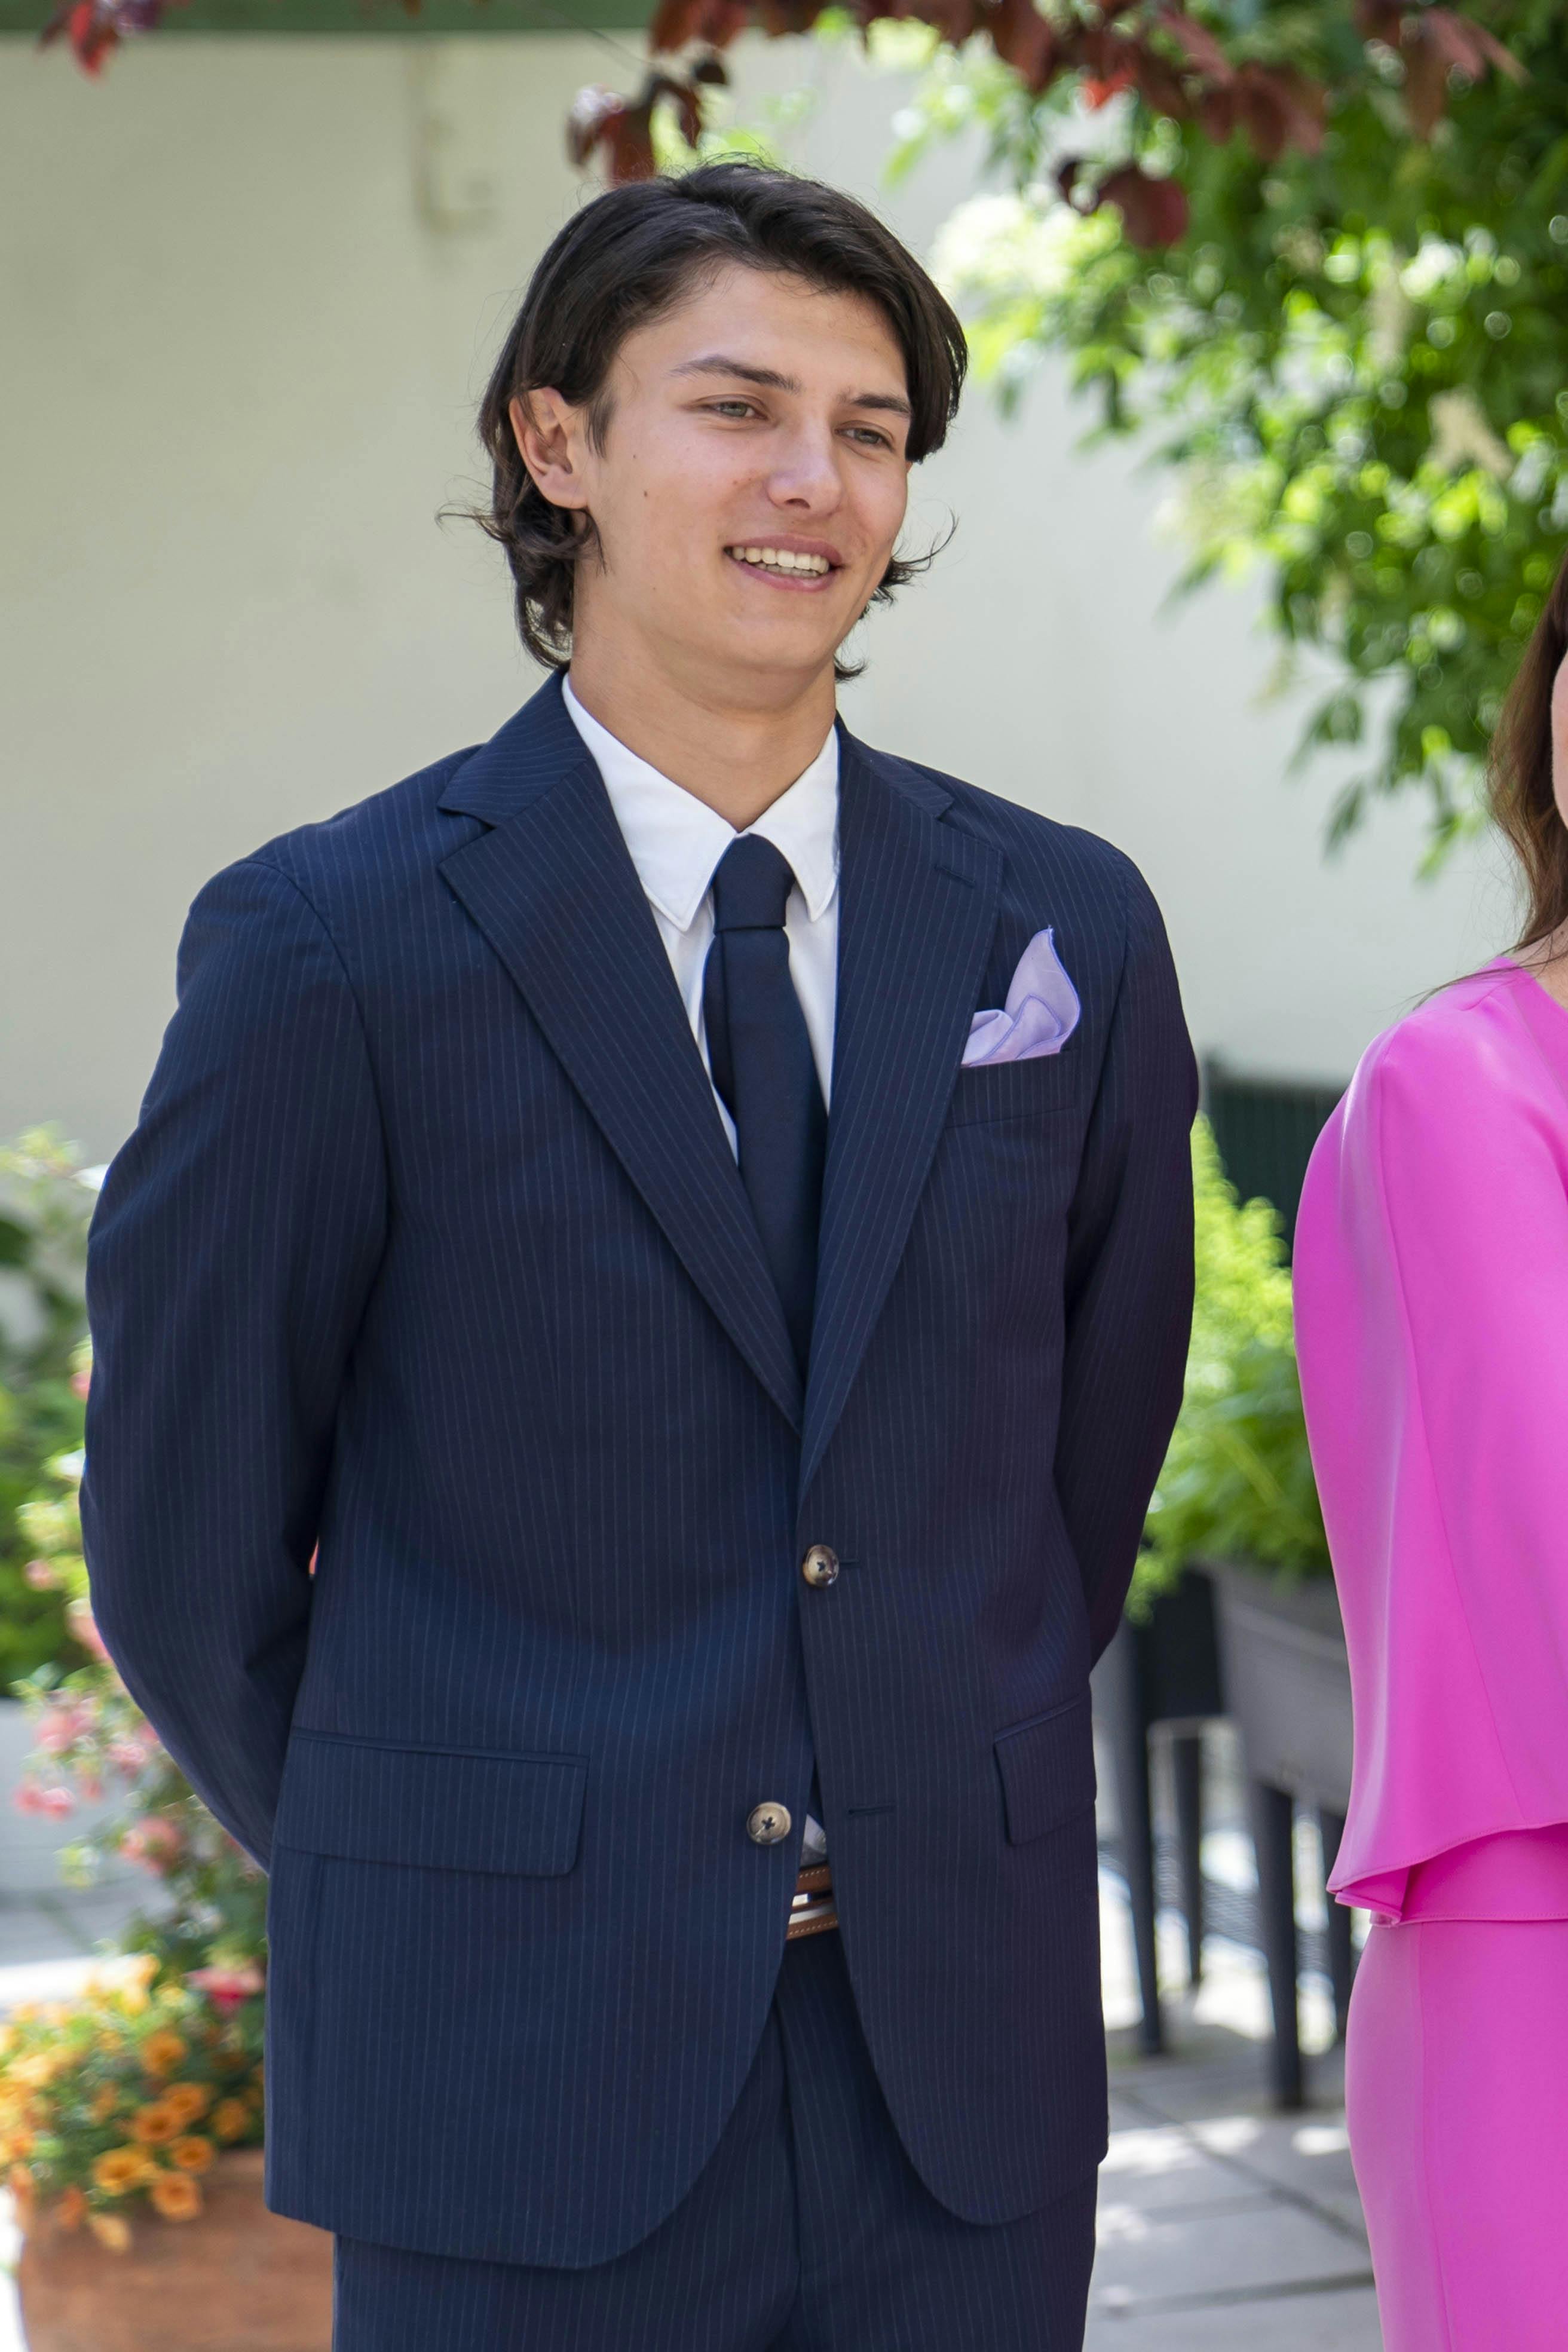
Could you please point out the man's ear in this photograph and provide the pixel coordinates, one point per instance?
(552, 439)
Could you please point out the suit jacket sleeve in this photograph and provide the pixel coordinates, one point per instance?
(1129, 1271)
(234, 1243)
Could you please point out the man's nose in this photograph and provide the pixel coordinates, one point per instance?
(807, 473)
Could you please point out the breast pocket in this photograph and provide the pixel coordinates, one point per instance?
(1034, 1090)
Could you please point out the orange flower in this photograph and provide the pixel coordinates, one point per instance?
(110, 2229)
(119, 2169)
(177, 2196)
(163, 2051)
(186, 2101)
(155, 2124)
(105, 2102)
(231, 2120)
(191, 2154)
(20, 2182)
(71, 2211)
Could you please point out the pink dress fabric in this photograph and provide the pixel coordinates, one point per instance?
(1432, 1326)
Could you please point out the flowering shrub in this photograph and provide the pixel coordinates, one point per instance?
(46, 1201)
(125, 2098)
(1237, 1481)
(93, 1741)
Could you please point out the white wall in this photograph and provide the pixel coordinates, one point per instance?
(249, 288)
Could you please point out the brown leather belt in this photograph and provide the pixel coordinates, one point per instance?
(812, 1909)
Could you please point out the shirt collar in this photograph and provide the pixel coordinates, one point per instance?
(676, 840)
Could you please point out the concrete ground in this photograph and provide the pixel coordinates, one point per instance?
(1222, 2226)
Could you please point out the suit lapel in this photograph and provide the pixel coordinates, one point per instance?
(917, 915)
(552, 887)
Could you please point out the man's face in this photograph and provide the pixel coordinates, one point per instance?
(749, 485)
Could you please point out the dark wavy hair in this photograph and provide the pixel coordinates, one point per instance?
(1518, 780)
(630, 256)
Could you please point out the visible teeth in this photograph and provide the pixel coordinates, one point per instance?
(783, 559)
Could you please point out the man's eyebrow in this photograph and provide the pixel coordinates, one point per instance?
(772, 380)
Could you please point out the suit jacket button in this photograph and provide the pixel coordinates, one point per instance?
(820, 1565)
(767, 1824)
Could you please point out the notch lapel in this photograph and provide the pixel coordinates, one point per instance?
(916, 922)
(552, 887)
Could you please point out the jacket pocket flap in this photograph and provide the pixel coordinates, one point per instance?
(440, 1808)
(1047, 1770)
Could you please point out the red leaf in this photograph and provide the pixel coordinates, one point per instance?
(1217, 114)
(1426, 81)
(1466, 44)
(1101, 93)
(628, 139)
(1153, 212)
(1280, 108)
(954, 20)
(1022, 39)
(779, 17)
(1160, 87)
(1380, 20)
(1199, 44)
(674, 24)
(592, 111)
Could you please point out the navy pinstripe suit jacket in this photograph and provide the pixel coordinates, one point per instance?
(429, 1250)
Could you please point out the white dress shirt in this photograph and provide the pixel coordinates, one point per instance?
(676, 841)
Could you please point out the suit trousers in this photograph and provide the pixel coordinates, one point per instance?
(807, 2231)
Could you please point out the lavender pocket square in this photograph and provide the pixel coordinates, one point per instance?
(1041, 1012)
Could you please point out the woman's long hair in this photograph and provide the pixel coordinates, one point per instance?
(1520, 780)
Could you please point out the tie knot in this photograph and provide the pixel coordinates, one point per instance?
(752, 883)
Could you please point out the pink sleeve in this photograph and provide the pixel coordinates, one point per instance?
(1432, 1323)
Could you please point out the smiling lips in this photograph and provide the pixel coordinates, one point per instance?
(781, 563)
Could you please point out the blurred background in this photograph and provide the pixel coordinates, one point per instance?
(1254, 497)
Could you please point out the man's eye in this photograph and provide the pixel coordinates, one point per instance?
(732, 407)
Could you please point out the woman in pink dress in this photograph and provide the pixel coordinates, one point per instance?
(1432, 1324)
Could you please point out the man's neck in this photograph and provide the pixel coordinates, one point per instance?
(736, 758)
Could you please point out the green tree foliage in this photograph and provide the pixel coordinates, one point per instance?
(1347, 344)
(1238, 1482)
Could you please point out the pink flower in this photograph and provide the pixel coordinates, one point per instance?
(81, 1382)
(89, 1788)
(154, 1843)
(78, 1617)
(227, 1988)
(41, 1576)
(60, 1727)
(129, 1753)
(34, 1797)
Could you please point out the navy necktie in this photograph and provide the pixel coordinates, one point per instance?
(763, 1067)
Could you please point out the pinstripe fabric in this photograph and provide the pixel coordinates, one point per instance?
(807, 2231)
(429, 1249)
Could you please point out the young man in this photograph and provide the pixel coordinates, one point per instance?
(687, 1218)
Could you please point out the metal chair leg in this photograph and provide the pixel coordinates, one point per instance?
(1187, 1777)
(1273, 1817)
(1341, 1952)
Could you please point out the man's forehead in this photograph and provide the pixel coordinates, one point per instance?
(775, 327)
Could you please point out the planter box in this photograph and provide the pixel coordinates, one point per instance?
(1287, 1679)
(1287, 1682)
(237, 2279)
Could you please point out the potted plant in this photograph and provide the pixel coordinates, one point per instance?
(1237, 1495)
(1236, 1500)
(132, 2119)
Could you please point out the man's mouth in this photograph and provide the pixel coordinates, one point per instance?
(783, 562)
